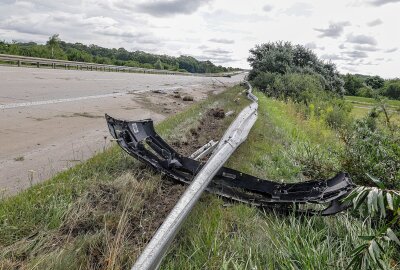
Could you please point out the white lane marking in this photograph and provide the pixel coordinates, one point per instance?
(60, 100)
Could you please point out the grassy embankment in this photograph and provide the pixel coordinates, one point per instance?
(282, 146)
(98, 213)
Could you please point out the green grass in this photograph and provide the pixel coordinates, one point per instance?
(371, 101)
(362, 106)
(235, 236)
(281, 139)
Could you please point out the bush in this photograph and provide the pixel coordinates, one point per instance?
(299, 87)
(392, 89)
(352, 84)
(337, 115)
(370, 149)
(366, 92)
(264, 81)
(283, 58)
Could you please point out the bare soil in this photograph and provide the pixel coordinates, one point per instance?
(208, 128)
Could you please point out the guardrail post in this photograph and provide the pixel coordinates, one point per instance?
(54, 65)
(66, 66)
(38, 64)
(19, 63)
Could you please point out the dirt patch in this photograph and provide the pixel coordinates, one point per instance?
(187, 98)
(162, 104)
(218, 113)
(80, 114)
(209, 128)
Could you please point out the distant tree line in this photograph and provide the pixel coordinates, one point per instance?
(371, 86)
(55, 48)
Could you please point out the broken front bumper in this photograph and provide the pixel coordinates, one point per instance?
(139, 139)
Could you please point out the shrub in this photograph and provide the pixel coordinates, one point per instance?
(366, 92)
(352, 84)
(392, 89)
(373, 150)
(285, 58)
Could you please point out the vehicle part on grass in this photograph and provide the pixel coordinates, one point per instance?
(140, 140)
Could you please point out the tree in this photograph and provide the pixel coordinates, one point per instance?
(392, 89)
(375, 82)
(352, 84)
(53, 42)
(282, 58)
(158, 64)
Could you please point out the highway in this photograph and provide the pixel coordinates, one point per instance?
(52, 119)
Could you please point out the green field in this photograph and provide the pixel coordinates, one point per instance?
(362, 106)
(98, 215)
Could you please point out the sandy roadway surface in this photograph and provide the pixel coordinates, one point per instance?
(51, 120)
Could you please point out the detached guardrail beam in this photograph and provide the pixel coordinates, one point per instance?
(234, 136)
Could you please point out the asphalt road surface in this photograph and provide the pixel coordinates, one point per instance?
(51, 120)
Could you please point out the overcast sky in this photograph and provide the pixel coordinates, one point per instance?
(358, 35)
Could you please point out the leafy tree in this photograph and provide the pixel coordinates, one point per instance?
(375, 82)
(366, 91)
(53, 42)
(158, 64)
(352, 84)
(285, 58)
(392, 89)
(271, 57)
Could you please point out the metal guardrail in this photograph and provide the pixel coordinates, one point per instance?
(55, 63)
(233, 137)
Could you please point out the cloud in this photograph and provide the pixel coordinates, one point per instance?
(366, 48)
(217, 51)
(334, 30)
(382, 2)
(216, 59)
(356, 54)
(332, 57)
(361, 39)
(217, 55)
(313, 46)
(222, 40)
(391, 50)
(299, 9)
(342, 46)
(374, 22)
(268, 8)
(138, 37)
(170, 8)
